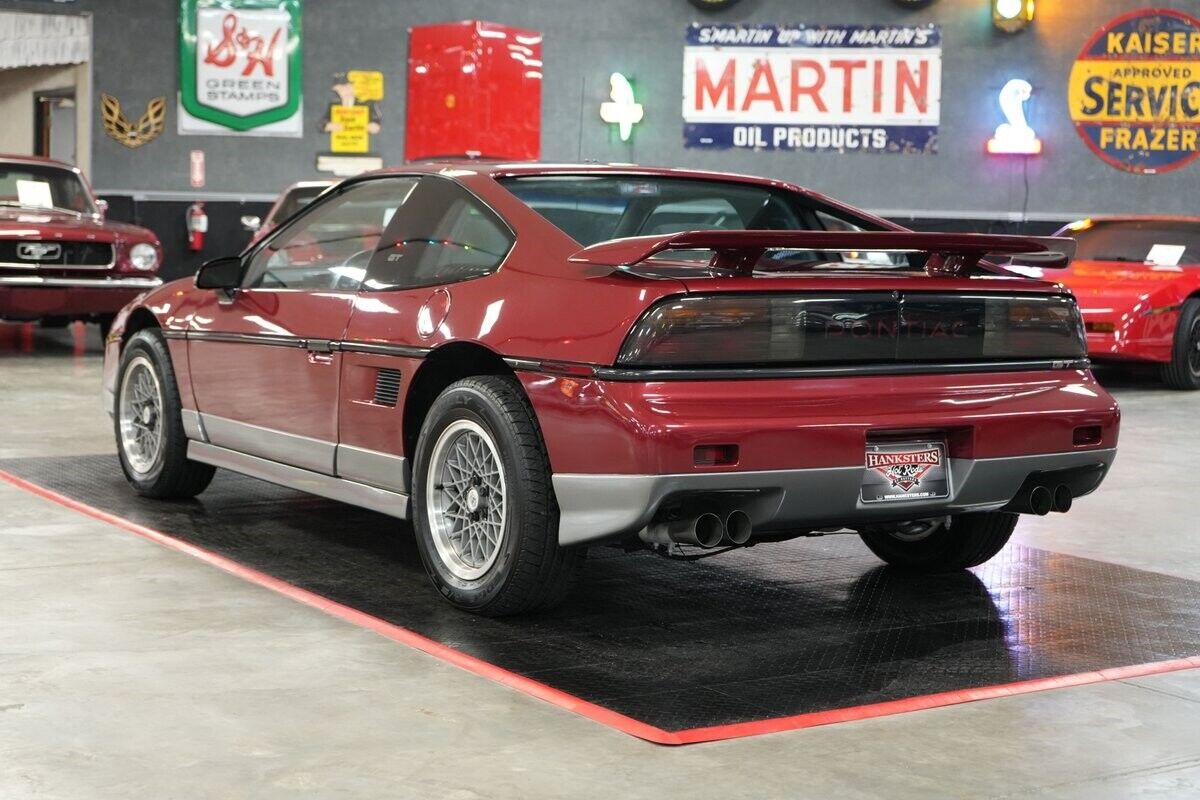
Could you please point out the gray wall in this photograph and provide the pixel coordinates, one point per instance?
(585, 40)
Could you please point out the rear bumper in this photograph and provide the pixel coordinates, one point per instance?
(620, 449)
(32, 296)
(597, 507)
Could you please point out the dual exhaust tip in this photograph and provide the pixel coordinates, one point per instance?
(704, 530)
(1044, 499)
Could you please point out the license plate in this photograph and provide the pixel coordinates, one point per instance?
(899, 471)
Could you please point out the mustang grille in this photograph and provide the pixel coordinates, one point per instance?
(61, 254)
(387, 387)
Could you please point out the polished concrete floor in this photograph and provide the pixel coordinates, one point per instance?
(131, 671)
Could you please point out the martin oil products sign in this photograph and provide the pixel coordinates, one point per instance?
(1135, 91)
(239, 67)
(869, 89)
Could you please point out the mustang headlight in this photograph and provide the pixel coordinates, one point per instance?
(143, 256)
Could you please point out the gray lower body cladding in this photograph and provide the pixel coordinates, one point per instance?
(599, 507)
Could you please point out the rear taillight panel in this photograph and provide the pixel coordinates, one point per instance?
(853, 328)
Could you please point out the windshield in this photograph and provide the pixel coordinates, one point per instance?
(43, 186)
(295, 200)
(596, 208)
(1162, 242)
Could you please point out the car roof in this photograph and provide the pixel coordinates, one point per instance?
(501, 169)
(468, 169)
(49, 162)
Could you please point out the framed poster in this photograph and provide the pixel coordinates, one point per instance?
(842, 88)
(240, 67)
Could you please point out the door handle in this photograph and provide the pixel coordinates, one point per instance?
(320, 351)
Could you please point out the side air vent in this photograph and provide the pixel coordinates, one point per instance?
(387, 387)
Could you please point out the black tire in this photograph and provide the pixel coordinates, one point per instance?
(1183, 371)
(968, 541)
(529, 570)
(172, 475)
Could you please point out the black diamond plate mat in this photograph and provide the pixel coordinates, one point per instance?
(764, 632)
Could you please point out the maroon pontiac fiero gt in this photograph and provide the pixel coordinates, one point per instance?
(528, 359)
(60, 260)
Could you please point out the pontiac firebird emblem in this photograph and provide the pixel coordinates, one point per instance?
(131, 134)
(904, 470)
(39, 251)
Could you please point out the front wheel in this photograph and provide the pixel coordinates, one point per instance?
(149, 428)
(966, 540)
(1183, 371)
(483, 506)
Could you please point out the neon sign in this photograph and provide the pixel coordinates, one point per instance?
(622, 110)
(1015, 137)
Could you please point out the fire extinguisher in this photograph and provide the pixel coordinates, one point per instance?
(197, 226)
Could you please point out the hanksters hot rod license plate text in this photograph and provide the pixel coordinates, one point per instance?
(905, 471)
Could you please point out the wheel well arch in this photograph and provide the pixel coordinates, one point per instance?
(442, 367)
(139, 319)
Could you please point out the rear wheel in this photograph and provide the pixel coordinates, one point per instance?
(1183, 371)
(149, 428)
(967, 540)
(483, 506)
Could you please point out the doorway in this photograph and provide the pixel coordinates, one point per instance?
(54, 124)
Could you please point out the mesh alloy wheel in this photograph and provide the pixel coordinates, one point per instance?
(466, 501)
(140, 415)
(483, 503)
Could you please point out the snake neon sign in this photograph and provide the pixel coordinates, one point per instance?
(1015, 137)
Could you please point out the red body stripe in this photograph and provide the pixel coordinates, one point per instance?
(577, 705)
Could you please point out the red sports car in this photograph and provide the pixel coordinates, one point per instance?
(59, 259)
(1138, 284)
(525, 360)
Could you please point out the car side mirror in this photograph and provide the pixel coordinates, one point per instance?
(101, 208)
(251, 223)
(223, 274)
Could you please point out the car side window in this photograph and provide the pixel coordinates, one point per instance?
(328, 248)
(444, 234)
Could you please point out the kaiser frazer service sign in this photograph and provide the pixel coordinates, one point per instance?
(1135, 91)
(844, 88)
(240, 67)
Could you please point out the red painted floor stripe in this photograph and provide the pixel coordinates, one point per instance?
(582, 707)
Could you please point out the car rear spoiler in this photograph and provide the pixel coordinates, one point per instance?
(740, 251)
